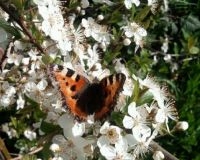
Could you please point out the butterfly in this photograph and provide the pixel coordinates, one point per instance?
(84, 98)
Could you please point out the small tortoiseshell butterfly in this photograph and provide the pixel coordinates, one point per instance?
(84, 98)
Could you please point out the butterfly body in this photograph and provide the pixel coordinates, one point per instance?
(84, 98)
(91, 99)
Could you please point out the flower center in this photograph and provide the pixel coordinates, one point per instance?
(112, 135)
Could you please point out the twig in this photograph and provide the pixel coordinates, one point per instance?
(19, 19)
(30, 153)
(4, 152)
(156, 147)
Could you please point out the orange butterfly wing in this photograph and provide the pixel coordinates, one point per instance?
(71, 84)
(112, 86)
(84, 98)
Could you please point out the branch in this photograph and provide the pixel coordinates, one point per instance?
(156, 147)
(3, 150)
(19, 20)
(30, 153)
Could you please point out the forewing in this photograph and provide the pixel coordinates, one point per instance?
(71, 85)
(112, 86)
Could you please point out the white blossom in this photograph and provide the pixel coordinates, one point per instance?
(57, 158)
(167, 111)
(128, 3)
(128, 85)
(4, 14)
(153, 4)
(42, 85)
(71, 148)
(55, 147)
(20, 102)
(136, 31)
(14, 59)
(98, 32)
(85, 3)
(31, 135)
(119, 151)
(11, 132)
(75, 43)
(7, 93)
(160, 93)
(78, 129)
(135, 118)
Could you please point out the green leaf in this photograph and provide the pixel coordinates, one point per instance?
(174, 28)
(145, 97)
(32, 107)
(5, 38)
(135, 93)
(32, 102)
(49, 127)
(115, 16)
(142, 14)
(175, 48)
(191, 23)
(46, 152)
(117, 118)
(110, 56)
(57, 60)
(14, 121)
(10, 29)
(4, 35)
(194, 50)
(146, 23)
(46, 59)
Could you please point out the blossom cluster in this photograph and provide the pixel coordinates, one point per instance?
(145, 107)
(140, 126)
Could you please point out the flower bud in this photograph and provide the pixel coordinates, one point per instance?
(78, 9)
(100, 17)
(167, 57)
(83, 12)
(55, 147)
(183, 125)
(127, 42)
(158, 155)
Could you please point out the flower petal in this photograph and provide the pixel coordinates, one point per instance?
(104, 128)
(78, 129)
(132, 110)
(103, 140)
(108, 151)
(128, 122)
